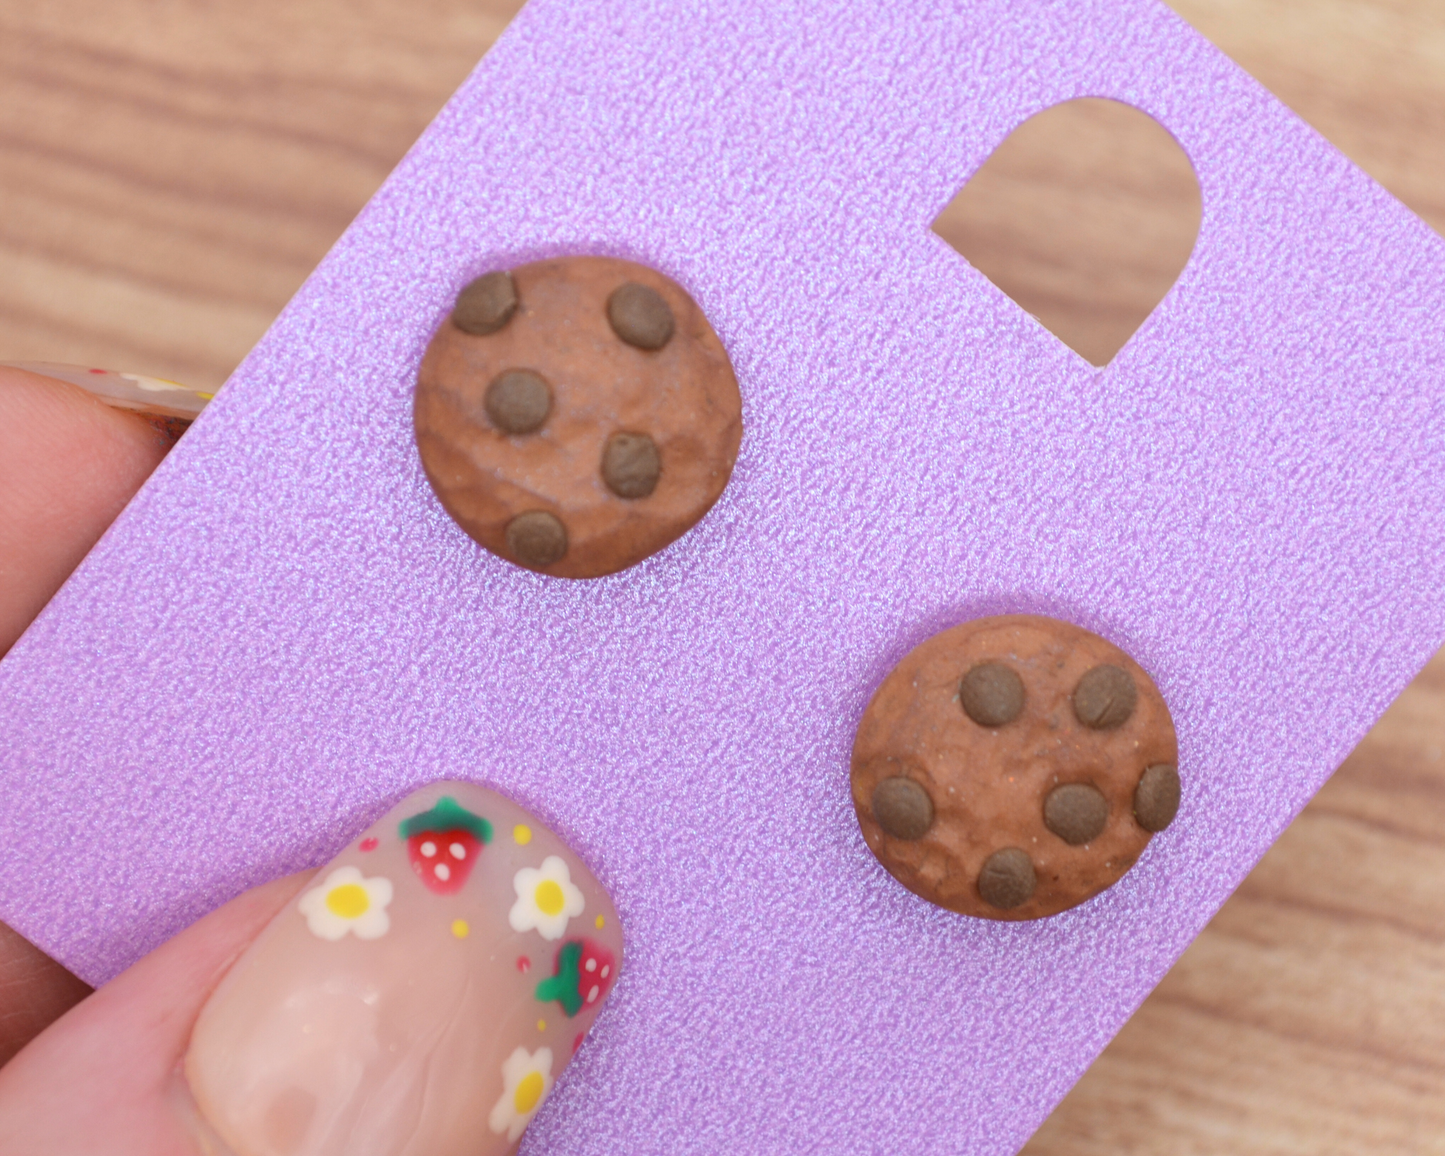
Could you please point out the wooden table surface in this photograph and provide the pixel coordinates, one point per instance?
(170, 171)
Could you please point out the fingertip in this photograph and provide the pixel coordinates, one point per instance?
(519, 947)
(123, 1044)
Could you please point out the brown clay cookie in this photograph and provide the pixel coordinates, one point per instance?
(1013, 767)
(577, 415)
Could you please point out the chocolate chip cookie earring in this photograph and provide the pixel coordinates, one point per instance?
(576, 416)
(422, 994)
(1013, 767)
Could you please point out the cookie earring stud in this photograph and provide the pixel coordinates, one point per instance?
(1013, 767)
(578, 415)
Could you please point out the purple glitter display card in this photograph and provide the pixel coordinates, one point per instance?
(284, 632)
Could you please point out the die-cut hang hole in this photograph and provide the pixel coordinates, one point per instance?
(1085, 215)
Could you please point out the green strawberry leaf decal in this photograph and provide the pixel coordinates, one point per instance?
(562, 987)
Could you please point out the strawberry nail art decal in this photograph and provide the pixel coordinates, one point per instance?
(443, 843)
(584, 971)
(320, 1041)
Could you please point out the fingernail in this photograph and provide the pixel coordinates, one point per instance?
(170, 406)
(422, 995)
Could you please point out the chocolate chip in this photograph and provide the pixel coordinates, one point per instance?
(1156, 798)
(640, 316)
(1007, 878)
(486, 304)
(536, 539)
(518, 401)
(1105, 698)
(1076, 813)
(991, 694)
(902, 808)
(631, 465)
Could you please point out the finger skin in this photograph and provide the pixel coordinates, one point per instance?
(35, 991)
(102, 1079)
(68, 465)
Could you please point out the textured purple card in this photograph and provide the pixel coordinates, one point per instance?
(285, 632)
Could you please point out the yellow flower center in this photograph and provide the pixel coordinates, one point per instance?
(348, 901)
(549, 898)
(529, 1091)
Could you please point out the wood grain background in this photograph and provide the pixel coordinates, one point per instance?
(170, 171)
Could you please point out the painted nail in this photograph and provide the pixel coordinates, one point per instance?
(422, 995)
(170, 406)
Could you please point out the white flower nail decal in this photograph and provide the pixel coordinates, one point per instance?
(546, 899)
(526, 1080)
(347, 902)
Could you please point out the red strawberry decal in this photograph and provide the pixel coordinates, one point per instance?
(443, 844)
(583, 972)
(595, 971)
